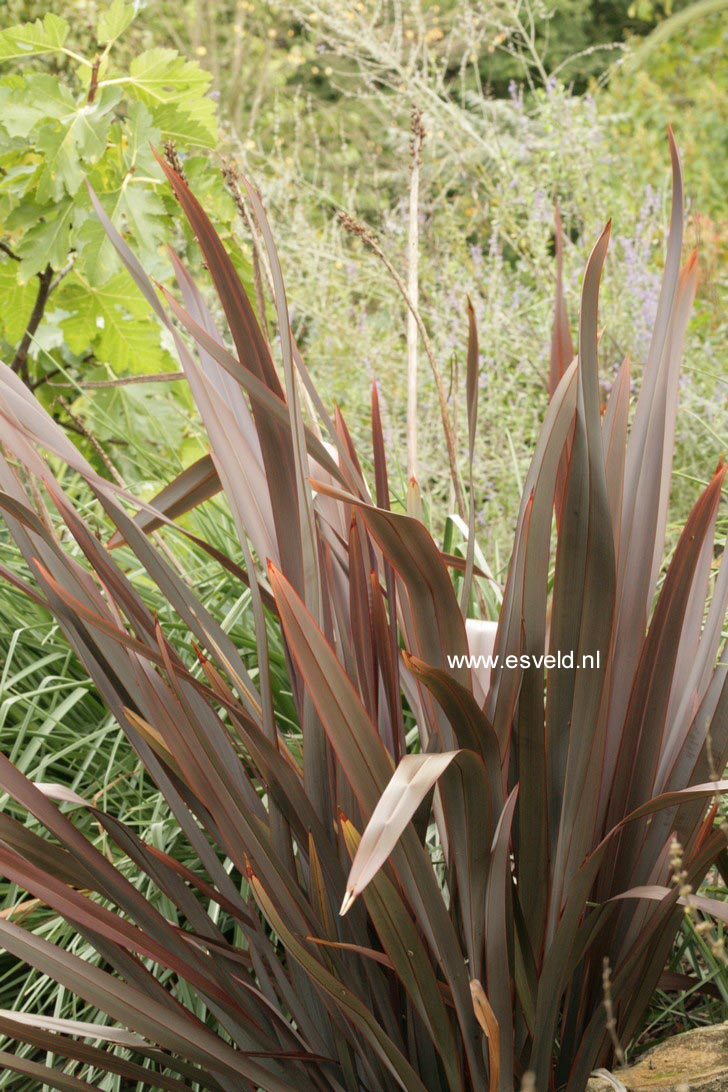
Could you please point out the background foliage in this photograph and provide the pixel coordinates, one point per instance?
(313, 102)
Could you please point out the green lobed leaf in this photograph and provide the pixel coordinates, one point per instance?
(114, 21)
(48, 242)
(190, 125)
(72, 143)
(135, 209)
(112, 321)
(162, 78)
(32, 100)
(16, 302)
(45, 35)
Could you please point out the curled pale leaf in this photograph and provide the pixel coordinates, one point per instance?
(714, 907)
(414, 778)
(62, 793)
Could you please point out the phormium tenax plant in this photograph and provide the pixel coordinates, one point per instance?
(427, 909)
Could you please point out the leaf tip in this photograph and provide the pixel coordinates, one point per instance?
(347, 904)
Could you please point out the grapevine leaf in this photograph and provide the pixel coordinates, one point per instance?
(45, 35)
(25, 215)
(48, 241)
(114, 21)
(111, 320)
(133, 208)
(140, 131)
(192, 125)
(142, 208)
(36, 100)
(72, 143)
(162, 75)
(161, 78)
(16, 303)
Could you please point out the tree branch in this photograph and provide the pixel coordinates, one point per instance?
(20, 361)
(10, 253)
(47, 284)
(94, 83)
(44, 379)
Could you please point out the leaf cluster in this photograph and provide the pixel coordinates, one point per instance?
(71, 113)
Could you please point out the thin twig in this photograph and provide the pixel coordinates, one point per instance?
(680, 879)
(611, 1023)
(83, 430)
(354, 227)
(125, 381)
(64, 271)
(10, 253)
(45, 378)
(413, 288)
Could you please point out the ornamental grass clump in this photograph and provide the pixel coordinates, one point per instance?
(424, 886)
